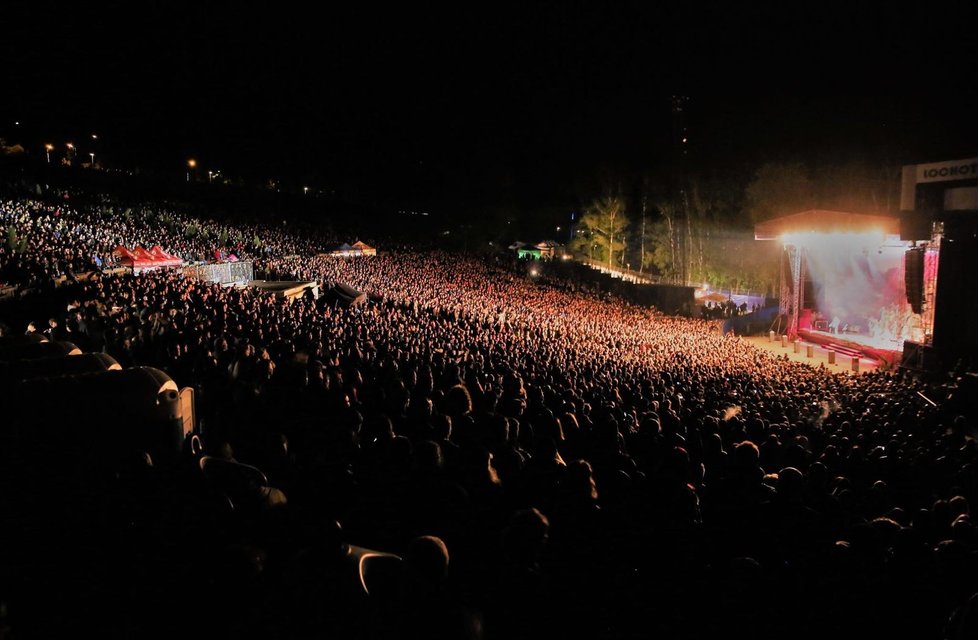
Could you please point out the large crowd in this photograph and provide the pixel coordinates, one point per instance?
(545, 462)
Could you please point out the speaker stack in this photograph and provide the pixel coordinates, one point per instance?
(913, 273)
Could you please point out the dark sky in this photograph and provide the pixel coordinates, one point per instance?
(489, 102)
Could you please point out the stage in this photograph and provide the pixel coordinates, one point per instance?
(819, 358)
(850, 344)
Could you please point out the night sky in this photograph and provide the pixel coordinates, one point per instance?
(489, 103)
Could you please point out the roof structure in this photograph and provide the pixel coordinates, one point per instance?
(825, 221)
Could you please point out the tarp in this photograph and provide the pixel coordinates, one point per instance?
(164, 257)
(143, 254)
(358, 248)
(122, 252)
(286, 288)
(364, 248)
(714, 296)
(344, 295)
(142, 258)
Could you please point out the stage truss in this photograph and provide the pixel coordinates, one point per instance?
(791, 283)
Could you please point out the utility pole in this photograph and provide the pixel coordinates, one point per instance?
(681, 147)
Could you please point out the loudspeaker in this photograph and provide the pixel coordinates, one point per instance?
(919, 357)
(913, 274)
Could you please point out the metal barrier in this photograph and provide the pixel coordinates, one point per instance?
(222, 272)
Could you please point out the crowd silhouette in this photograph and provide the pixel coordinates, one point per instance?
(471, 453)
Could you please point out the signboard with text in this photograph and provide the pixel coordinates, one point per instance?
(966, 169)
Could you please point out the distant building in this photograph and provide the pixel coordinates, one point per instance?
(546, 250)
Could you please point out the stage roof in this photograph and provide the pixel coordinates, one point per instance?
(822, 221)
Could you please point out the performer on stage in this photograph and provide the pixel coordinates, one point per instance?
(834, 325)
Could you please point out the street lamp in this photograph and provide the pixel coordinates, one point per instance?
(93, 159)
(305, 191)
(191, 165)
(47, 151)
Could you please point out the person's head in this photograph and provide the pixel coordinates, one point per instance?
(547, 425)
(427, 558)
(422, 408)
(428, 457)
(790, 484)
(266, 369)
(958, 505)
(578, 479)
(441, 426)
(458, 401)
(498, 430)
(746, 456)
(524, 538)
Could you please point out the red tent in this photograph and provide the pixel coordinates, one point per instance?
(140, 258)
(123, 254)
(165, 258)
(143, 254)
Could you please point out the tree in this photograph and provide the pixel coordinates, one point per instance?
(662, 255)
(602, 227)
(688, 241)
(738, 261)
(778, 190)
(857, 186)
(643, 230)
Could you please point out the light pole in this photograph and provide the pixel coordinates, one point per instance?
(92, 155)
(71, 152)
(191, 165)
(47, 151)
